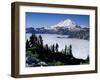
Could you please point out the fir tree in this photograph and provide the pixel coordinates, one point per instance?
(65, 49)
(32, 40)
(56, 47)
(53, 48)
(40, 40)
(70, 51)
(27, 44)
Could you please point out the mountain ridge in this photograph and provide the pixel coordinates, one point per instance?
(67, 23)
(65, 27)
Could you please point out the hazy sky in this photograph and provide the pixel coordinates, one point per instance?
(47, 19)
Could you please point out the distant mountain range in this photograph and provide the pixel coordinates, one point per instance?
(66, 27)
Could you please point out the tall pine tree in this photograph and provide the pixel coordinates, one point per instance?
(27, 44)
(56, 47)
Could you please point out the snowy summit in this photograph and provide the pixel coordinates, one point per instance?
(68, 23)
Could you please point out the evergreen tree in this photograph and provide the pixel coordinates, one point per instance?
(40, 40)
(41, 48)
(27, 44)
(65, 49)
(53, 48)
(70, 51)
(88, 59)
(56, 47)
(46, 47)
(32, 40)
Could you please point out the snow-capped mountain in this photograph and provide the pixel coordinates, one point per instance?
(68, 24)
(65, 27)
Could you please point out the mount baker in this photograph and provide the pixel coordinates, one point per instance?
(65, 27)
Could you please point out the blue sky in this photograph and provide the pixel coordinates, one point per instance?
(38, 20)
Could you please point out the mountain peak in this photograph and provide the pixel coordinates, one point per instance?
(68, 23)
